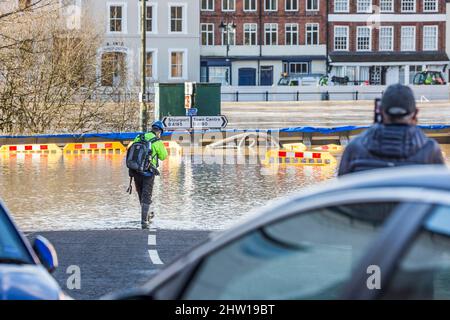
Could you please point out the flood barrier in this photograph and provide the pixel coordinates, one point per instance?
(30, 148)
(299, 158)
(101, 147)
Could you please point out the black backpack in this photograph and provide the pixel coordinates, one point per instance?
(139, 155)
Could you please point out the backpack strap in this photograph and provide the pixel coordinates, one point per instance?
(130, 187)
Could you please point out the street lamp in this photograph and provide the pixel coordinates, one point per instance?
(227, 27)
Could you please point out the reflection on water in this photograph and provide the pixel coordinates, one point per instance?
(68, 192)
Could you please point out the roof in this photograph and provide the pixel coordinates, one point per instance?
(387, 56)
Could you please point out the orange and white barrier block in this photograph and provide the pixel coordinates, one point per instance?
(330, 148)
(95, 147)
(299, 158)
(172, 147)
(294, 147)
(30, 148)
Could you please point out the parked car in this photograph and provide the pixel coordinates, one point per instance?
(325, 244)
(25, 270)
(311, 79)
(429, 78)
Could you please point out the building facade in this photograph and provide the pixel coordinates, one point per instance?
(386, 41)
(172, 29)
(254, 42)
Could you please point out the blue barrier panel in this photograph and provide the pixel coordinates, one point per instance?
(132, 135)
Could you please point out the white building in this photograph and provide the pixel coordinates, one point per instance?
(172, 39)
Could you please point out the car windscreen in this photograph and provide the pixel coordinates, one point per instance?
(12, 248)
(307, 256)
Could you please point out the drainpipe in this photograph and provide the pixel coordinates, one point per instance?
(327, 30)
(260, 41)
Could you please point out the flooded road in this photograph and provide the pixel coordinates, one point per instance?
(79, 192)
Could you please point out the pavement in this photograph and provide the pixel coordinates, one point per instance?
(113, 260)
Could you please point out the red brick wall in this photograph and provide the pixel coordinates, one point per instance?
(397, 6)
(397, 35)
(239, 17)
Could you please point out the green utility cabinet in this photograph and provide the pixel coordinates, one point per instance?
(170, 99)
(207, 99)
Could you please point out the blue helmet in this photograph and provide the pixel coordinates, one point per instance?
(158, 124)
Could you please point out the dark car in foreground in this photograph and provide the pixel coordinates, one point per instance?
(383, 234)
(25, 270)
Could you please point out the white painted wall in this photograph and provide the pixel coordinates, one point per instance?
(161, 41)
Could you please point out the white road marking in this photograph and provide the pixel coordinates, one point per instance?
(154, 257)
(152, 239)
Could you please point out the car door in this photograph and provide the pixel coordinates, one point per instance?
(423, 269)
(308, 252)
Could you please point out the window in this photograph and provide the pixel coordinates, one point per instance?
(231, 33)
(291, 5)
(308, 256)
(298, 68)
(424, 271)
(341, 38)
(312, 34)
(386, 39)
(219, 75)
(430, 38)
(150, 65)
(207, 30)
(270, 5)
(270, 34)
(341, 6)
(363, 38)
(228, 5)
(207, 5)
(364, 6)
(387, 5)
(430, 5)
(249, 5)
(150, 18)
(408, 38)
(113, 69)
(250, 31)
(117, 16)
(291, 38)
(176, 19)
(177, 64)
(312, 5)
(408, 6)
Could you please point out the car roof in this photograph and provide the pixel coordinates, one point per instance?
(432, 177)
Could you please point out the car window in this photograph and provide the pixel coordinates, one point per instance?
(307, 256)
(11, 246)
(424, 272)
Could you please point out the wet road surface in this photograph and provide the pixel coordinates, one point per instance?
(112, 260)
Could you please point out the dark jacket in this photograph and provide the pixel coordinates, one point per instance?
(384, 146)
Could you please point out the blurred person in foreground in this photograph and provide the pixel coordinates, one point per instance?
(395, 140)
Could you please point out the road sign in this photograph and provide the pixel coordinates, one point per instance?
(192, 112)
(177, 122)
(210, 122)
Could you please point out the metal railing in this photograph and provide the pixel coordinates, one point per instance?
(296, 96)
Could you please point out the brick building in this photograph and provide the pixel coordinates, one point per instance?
(265, 39)
(387, 41)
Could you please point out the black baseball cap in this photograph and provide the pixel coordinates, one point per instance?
(398, 101)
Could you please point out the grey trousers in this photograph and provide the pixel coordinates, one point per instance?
(144, 189)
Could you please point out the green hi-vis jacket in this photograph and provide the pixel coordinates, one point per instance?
(158, 149)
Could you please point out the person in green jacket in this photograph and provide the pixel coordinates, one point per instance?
(144, 181)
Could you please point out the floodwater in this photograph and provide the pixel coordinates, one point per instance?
(77, 192)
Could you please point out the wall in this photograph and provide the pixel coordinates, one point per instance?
(313, 93)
